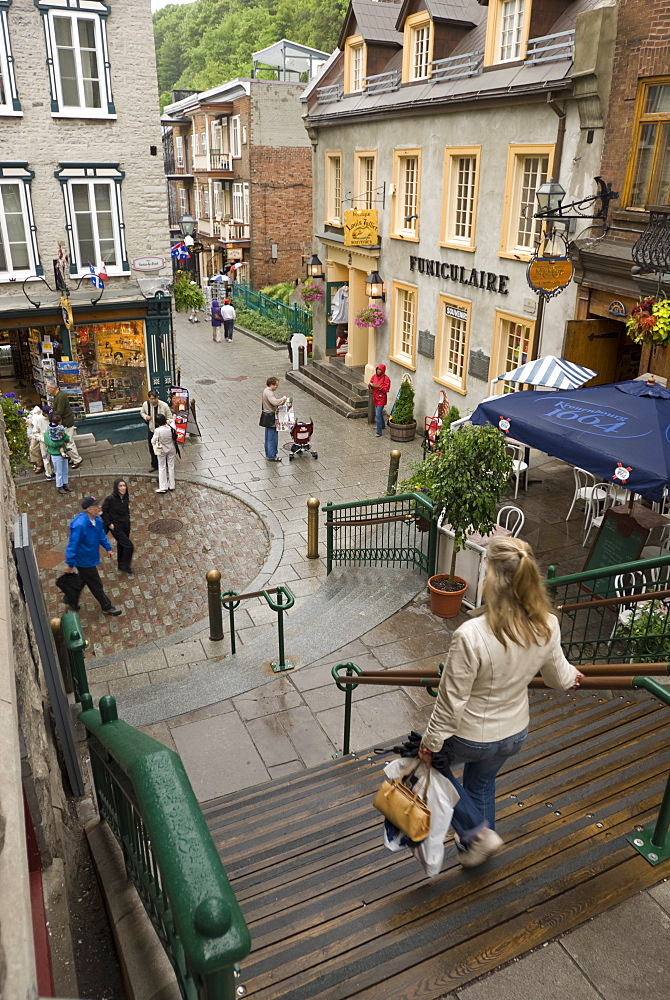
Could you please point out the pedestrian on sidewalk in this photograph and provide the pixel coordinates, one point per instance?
(150, 409)
(61, 405)
(481, 714)
(116, 518)
(38, 422)
(165, 447)
(379, 384)
(229, 315)
(270, 404)
(217, 320)
(82, 554)
(55, 442)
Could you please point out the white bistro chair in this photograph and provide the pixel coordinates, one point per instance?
(584, 483)
(597, 504)
(511, 518)
(515, 452)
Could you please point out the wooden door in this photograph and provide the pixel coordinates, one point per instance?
(594, 343)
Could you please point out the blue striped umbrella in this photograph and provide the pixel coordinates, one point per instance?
(550, 372)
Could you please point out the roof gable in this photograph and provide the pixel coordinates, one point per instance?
(373, 20)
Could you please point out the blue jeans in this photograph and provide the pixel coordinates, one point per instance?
(476, 808)
(379, 417)
(60, 468)
(271, 442)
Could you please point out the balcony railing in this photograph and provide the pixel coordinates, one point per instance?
(224, 230)
(219, 160)
(326, 95)
(550, 48)
(457, 67)
(382, 83)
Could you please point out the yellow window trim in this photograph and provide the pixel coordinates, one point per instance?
(513, 151)
(398, 234)
(354, 42)
(447, 196)
(500, 315)
(413, 22)
(442, 301)
(329, 156)
(359, 187)
(492, 30)
(402, 359)
(653, 81)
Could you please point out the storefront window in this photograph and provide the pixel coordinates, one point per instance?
(112, 365)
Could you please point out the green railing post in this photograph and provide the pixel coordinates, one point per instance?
(213, 578)
(348, 689)
(75, 645)
(231, 605)
(653, 843)
(282, 664)
(329, 538)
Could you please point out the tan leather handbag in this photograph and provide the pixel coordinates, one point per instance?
(403, 807)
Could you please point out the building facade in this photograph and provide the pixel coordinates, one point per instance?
(82, 187)
(446, 116)
(238, 160)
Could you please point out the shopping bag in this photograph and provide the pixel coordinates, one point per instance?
(285, 417)
(72, 585)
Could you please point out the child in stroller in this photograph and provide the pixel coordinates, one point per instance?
(301, 433)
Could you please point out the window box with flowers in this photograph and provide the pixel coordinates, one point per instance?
(370, 316)
(650, 322)
(309, 292)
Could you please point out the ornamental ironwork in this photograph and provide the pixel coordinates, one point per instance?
(651, 252)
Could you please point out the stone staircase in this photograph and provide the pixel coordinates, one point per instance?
(352, 601)
(341, 388)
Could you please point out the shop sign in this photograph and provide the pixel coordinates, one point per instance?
(361, 227)
(148, 263)
(453, 313)
(235, 254)
(66, 310)
(549, 275)
(617, 308)
(486, 280)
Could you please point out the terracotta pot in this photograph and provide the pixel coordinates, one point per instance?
(446, 604)
(402, 432)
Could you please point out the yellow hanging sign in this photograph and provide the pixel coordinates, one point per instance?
(361, 227)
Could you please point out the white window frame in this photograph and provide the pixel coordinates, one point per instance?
(459, 207)
(237, 203)
(179, 150)
(182, 201)
(197, 202)
(96, 11)
(403, 334)
(194, 145)
(333, 188)
(205, 203)
(235, 137)
(70, 174)
(18, 174)
(453, 323)
(407, 196)
(11, 106)
(203, 143)
(510, 41)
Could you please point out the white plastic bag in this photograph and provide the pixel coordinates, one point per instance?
(442, 797)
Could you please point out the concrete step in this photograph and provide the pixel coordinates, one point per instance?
(326, 380)
(88, 447)
(352, 601)
(351, 378)
(327, 396)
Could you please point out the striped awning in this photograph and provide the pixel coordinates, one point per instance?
(550, 372)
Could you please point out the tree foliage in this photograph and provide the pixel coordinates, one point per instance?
(204, 44)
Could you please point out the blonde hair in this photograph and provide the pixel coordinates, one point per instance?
(517, 604)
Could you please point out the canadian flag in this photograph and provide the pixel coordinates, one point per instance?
(102, 272)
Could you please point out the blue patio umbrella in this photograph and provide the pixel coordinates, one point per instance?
(607, 429)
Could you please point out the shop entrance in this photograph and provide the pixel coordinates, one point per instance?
(602, 344)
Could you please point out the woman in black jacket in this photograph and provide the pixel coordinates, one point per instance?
(116, 518)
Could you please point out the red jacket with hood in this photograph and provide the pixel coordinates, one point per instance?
(380, 386)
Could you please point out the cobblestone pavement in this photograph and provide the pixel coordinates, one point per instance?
(207, 530)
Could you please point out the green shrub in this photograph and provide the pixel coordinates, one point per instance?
(647, 633)
(281, 292)
(274, 330)
(403, 411)
(16, 431)
(187, 295)
(452, 414)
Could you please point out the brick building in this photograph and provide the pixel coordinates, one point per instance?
(82, 183)
(636, 162)
(238, 159)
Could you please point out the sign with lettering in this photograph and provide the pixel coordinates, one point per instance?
(486, 280)
(148, 263)
(361, 227)
(453, 313)
(549, 275)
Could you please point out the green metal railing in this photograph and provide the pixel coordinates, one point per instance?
(653, 842)
(231, 601)
(398, 530)
(75, 644)
(146, 798)
(603, 626)
(298, 320)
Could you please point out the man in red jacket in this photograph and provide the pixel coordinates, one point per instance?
(380, 384)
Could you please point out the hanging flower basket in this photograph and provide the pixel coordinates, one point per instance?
(650, 322)
(311, 293)
(370, 316)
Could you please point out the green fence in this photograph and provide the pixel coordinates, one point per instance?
(298, 320)
(618, 613)
(146, 798)
(396, 530)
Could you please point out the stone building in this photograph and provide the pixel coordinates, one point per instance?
(82, 187)
(446, 116)
(238, 160)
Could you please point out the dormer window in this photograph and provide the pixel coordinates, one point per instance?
(417, 47)
(507, 31)
(355, 58)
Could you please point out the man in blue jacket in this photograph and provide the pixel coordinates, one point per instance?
(82, 554)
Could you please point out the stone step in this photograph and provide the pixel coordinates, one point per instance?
(324, 378)
(327, 396)
(88, 447)
(337, 371)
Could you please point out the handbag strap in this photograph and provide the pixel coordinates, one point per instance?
(409, 771)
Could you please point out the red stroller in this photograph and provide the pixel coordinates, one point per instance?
(301, 433)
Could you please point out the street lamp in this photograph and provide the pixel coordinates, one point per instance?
(550, 202)
(550, 196)
(374, 286)
(187, 225)
(315, 267)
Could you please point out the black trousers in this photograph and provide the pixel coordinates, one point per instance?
(124, 548)
(91, 579)
(154, 457)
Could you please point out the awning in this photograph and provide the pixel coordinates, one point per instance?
(550, 372)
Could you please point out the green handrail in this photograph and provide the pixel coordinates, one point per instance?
(653, 842)
(146, 798)
(420, 498)
(75, 644)
(230, 599)
(605, 571)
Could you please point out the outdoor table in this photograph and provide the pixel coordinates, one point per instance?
(643, 515)
(470, 561)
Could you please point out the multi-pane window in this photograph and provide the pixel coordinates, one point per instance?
(513, 349)
(179, 150)
(511, 29)
(420, 52)
(197, 203)
(238, 202)
(77, 59)
(406, 198)
(182, 201)
(527, 168)
(650, 184)
(461, 177)
(9, 98)
(15, 250)
(365, 174)
(94, 223)
(194, 144)
(205, 203)
(451, 348)
(334, 188)
(403, 334)
(357, 69)
(203, 143)
(235, 137)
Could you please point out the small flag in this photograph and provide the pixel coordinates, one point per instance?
(235, 267)
(102, 272)
(96, 280)
(180, 252)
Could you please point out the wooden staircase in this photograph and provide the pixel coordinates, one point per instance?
(333, 915)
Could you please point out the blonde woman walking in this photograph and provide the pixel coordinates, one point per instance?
(481, 714)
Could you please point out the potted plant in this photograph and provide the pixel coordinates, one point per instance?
(309, 292)
(187, 293)
(370, 316)
(464, 477)
(649, 322)
(402, 425)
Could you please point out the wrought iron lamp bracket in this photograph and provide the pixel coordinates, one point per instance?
(581, 208)
(64, 291)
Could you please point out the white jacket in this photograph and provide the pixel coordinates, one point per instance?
(37, 424)
(483, 692)
(147, 412)
(227, 312)
(164, 435)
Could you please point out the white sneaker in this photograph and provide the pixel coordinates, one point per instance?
(484, 846)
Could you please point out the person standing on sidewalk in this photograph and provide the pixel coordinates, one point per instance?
(61, 405)
(228, 313)
(164, 446)
(55, 442)
(270, 405)
(38, 422)
(217, 320)
(82, 554)
(149, 411)
(116, 518)
(379, 384)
